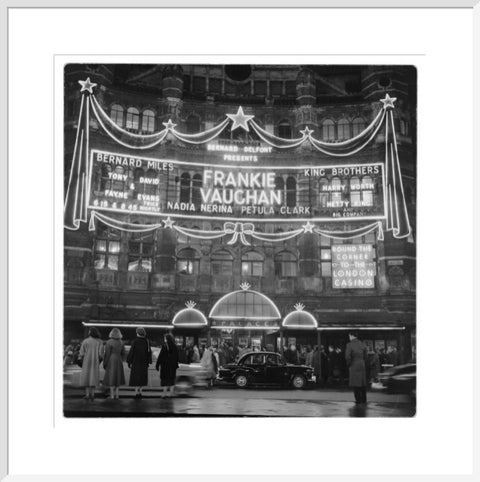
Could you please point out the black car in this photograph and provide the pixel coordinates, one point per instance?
(400, 379)
(265, 368)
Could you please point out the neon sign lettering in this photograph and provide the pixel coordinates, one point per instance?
(207, 190)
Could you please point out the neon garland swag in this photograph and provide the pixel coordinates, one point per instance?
(79, 185)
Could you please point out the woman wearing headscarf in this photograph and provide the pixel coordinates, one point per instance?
(138, 359)
(90, 354)
(113, 362)
(167, 362)
(208, 362)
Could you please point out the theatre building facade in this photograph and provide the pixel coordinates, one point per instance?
(262, 205)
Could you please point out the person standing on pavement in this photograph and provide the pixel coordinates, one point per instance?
(138, 359)
(373, 365)
(291, 355)
(356, 359)
(208, 362)
(167, 363)
(90, 354)
(113, 363)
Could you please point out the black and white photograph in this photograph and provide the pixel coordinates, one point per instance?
(239, 240)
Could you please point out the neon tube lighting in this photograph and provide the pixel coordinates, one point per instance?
(126, 325)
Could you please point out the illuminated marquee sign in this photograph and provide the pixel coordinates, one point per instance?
(244, 324)
(132, 184)
(353, 266)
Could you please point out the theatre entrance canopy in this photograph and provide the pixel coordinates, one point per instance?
(245, 309)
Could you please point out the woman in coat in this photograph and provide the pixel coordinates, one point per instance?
(356, 359)
(167, 362)
(208, 362)
(113, 362)
(91, 352)
(138, 359)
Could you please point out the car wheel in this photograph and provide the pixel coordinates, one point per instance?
(241, 381)
(299, 382)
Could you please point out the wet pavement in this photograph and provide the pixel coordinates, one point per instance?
(221, 402)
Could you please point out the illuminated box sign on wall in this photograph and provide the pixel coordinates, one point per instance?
(353, 266)
(132, 184)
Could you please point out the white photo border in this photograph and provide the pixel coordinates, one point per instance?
(10, 296)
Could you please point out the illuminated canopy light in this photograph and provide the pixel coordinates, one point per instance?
(189, 317)
(357, 328)
(300, 319)
(120, 324)
(245, 304)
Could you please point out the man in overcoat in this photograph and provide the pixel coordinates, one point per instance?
(356, 358)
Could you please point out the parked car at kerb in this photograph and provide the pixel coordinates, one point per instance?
(400, 379)
(265, 368)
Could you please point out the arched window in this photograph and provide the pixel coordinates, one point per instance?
(285, 265)
(355, 194)
(107, 248)
(343, 128)
(119, 178)
(133, 116)
(196, 193)
(185, 188)
(116, 114)
(367, 190)
(252, 264)
(140, 252)
(148, 121)
(308, 254)
(291, 192)
(106, 180)
(336, 190)
(323, 193)
(403, 127)
(222, 263)
(285, 129)
(150, 185)
(328, 130)
(193, 124)
(358, 125)
(188, 261)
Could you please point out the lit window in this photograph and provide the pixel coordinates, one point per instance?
(328, 130)
(107, 249)
(188, 262)
(355, 194)
(285, 265)
(252, 264)
(133, 116)
(148, 121)
(116, 114)
(140, 252)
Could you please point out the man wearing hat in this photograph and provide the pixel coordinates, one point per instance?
(356, 358)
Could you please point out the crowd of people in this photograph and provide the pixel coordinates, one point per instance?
(330, 365)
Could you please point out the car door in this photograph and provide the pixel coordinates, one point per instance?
(255, 362)
(276, 369)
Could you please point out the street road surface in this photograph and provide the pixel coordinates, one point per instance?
(231, 402)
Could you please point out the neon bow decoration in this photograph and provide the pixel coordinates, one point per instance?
(239, 230)
(79, 186)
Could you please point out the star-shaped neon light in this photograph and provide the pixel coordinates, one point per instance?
(240, 119)
(87, 85)
(388, 102)
(168, 223)
(308, 228)
(307, 132)
(169, 125)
